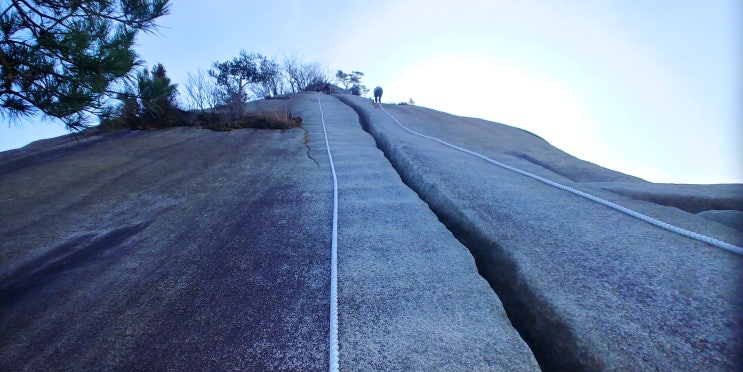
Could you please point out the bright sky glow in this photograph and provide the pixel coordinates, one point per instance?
(652, 89)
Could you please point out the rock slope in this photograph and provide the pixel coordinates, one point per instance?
(175, 249)
(588, 287)
(186, 249)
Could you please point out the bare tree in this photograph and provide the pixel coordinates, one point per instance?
(315, 73)
(293, 72)
(300, 75)
(201, 91)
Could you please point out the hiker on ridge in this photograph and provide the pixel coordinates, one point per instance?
(377, 95)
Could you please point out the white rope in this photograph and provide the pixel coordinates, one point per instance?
(690, 234)
(333, 363)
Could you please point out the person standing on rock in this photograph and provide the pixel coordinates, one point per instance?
(377, 96)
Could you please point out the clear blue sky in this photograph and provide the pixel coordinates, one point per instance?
(649, 88)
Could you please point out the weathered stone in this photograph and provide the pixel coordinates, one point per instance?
(186, 249)
(689, 198)
(410, 297)
(590, 288)
(730, 218)
(174, 249)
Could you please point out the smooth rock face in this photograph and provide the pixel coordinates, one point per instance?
(720, 203)
(186, 249)
(689, 198)
(174, 249)
(410, 297)
(732, 218)
(588, 287)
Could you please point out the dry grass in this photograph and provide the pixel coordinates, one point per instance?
(269, 114)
